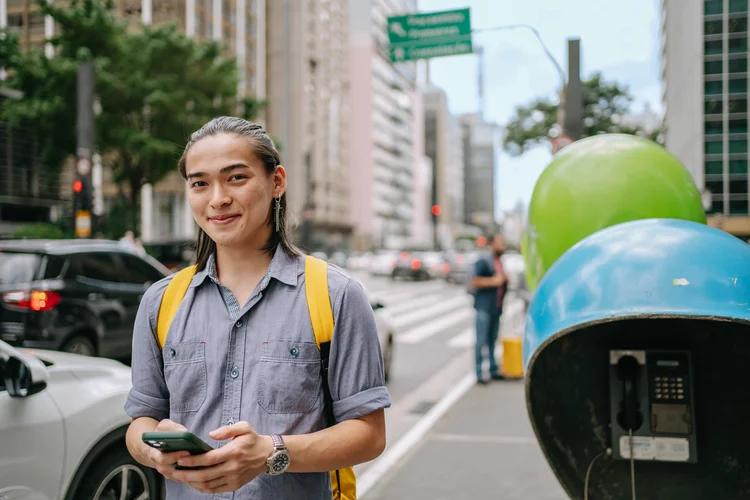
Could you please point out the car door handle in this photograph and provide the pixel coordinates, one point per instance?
(96, 296)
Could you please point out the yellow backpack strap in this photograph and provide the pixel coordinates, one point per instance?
(171, 300)
(318, 301)
(343, 481)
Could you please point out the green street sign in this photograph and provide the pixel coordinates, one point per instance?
(433, 34)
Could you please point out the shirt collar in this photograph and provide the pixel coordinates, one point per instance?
(283, 268)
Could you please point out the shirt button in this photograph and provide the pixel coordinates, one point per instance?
(235, 372)
(172, 352)
(230, 422)
(238, 324)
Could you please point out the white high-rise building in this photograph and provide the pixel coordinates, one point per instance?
(383, 125)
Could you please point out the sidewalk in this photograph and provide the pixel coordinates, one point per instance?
(481, 448)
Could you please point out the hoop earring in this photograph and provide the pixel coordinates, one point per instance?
(277, 209)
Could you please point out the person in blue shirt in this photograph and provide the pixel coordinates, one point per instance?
(490, 285)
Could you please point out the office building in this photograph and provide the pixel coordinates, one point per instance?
(704, 73)
(479, 141)
(309, 110)
(384, 123)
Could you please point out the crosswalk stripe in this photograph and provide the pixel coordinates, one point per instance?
(467, 338)
(411, 305)
(406, 320)
(396, 294)
(440, 324)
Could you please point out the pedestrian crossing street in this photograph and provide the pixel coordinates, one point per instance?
(435, 311)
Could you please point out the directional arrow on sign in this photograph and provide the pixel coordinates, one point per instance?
(398, 29)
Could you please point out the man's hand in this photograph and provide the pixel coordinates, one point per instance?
(500, 279)
(165, 462)
(230, 467)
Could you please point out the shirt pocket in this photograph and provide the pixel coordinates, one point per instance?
(185, 374)
(289, 379)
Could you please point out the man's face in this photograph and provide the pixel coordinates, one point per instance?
(498, 244)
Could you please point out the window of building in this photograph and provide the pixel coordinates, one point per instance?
(737, 6)
(738, 207)
(739, 146)
(714, 107)
(737, 25)
(714, 127)
(712, 88)
(714, 148)
(712, 27)
(716, 186)
(738, 86)
(738, 126)
(712, 67)
(738, 186)
(712, 47)
(738, 65)
(712, 7)
(737, 45)
(737, 106)
(738, 166)
(713, 168)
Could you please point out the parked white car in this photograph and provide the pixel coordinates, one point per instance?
(62, 429)
(385, 330)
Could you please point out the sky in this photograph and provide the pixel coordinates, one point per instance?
(620, 39)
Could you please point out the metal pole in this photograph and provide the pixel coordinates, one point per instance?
(85, 146)
(480, 80)
(549, 55)
(573, 124)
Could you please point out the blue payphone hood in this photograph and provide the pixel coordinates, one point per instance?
(653, 267)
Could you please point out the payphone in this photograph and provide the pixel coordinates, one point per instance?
(652, 405)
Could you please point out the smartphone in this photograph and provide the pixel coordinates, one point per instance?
(170, 441)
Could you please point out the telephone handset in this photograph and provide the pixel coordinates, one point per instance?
(651, 396)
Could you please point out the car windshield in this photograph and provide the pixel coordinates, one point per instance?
(18, 267)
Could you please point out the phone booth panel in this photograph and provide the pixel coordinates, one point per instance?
(637, 348)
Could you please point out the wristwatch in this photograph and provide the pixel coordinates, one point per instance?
(279, 460)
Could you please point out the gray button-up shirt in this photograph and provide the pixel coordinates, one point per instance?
(222, 363)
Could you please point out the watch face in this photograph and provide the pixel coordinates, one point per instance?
(280, 463)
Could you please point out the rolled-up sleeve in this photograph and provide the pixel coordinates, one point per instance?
(355, 374)
(149, 396)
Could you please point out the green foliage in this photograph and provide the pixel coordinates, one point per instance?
(155, 87)
(39, 231)
(604, 104)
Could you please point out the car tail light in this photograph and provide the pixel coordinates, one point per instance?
(404, 255)
(416, 264)
(35, 300)
(446, 268)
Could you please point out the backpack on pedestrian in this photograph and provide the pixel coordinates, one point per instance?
(343, 481)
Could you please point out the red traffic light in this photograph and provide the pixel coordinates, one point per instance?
(77, 186)
(436, 210)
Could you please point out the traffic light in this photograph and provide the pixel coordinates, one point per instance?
(83, 193)
(436, 210)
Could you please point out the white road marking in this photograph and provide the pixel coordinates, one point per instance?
(437, 325)
(405, 320)
(392, 455)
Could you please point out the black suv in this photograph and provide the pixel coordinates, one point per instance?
(77, 296)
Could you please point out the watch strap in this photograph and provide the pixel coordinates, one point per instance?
(278, 442)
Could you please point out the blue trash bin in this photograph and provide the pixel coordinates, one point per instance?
(637, 357)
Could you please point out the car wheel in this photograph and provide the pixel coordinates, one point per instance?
(79, 344)
(388, 357)
(115, 475)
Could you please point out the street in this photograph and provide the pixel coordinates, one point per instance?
(448, 437)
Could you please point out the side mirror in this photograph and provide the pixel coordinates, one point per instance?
(23, 375)
(377, 305)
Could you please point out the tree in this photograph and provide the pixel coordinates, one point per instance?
(155, 87)
(605, 104)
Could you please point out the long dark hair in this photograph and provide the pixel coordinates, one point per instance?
(264, 148)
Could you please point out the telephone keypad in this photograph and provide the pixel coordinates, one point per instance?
(669, 389)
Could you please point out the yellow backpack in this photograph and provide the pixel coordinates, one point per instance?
(343, 481)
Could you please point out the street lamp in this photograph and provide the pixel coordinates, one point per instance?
(558, 67)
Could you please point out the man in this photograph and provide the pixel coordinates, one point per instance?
(490, 284)
(239, 366)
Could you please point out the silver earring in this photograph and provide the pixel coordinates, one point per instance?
(277, 209)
